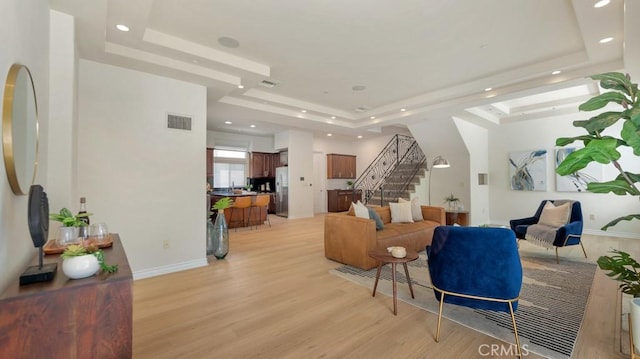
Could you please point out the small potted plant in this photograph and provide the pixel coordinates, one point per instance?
(349, 184)
(68, 232)
(81, 262)
(452, 202)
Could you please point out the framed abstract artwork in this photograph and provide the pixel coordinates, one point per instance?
(528, 170)
(577, 181)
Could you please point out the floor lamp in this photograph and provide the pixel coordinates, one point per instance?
(438, 162)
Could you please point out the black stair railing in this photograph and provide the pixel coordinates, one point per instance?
(401, 149)
(402, 176)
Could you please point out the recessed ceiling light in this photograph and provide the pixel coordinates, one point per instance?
(403, 109)
(360, 136)
(228, 122)
(329, 122)
(329, 134)
(601, 3)
(303, 111)
(492, 95)
(194, 61)
(121, 27)
(228, 42)
(556, 72)
(488, 89)
(240, 86)
(253, 126)
(606, 39)
(373, 117)
(333, 117)
(358, 88)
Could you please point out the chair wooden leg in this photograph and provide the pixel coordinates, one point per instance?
(268, 221)
(557, 259)
(515, 330)
(439, 317)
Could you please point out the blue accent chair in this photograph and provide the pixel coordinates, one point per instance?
(567, 235)
(476, 267)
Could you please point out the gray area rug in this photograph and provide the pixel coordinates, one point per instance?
(550, 311)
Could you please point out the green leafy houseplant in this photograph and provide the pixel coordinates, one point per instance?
(76, 250)
(624, 269)
(604, 148)
(68, 219)
(451, 199)
(223, 203)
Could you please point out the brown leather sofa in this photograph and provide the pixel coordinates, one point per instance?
(348, 239)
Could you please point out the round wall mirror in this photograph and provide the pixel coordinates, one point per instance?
(20, 129)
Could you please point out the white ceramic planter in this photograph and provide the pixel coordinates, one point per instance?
(80, 266)
(635, 321)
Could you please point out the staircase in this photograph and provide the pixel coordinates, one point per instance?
(405, 176)
(394, 173)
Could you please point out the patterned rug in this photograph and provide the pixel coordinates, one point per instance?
(550, 311)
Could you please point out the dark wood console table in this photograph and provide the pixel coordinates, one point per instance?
(70, 318)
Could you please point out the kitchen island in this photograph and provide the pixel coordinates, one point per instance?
(253, 216)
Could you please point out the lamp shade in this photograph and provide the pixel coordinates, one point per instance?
(440, 162)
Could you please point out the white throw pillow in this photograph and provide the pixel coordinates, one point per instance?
(360, 210)
(401, 212)
(416, 211)
(553, 216)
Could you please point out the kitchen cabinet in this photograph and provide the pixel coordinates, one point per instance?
(209, 162)
(339, 200)
(341, 166)
(263, 164)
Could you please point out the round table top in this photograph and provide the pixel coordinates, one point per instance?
(384, 256)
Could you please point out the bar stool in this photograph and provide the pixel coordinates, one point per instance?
(262, 201)
(239, 204)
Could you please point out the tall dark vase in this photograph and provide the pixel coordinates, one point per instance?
(220, 237)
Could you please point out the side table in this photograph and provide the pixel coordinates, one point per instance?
(459, 217)
(383, 257)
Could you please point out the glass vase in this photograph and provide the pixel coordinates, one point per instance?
(211, 238)
(220, 236)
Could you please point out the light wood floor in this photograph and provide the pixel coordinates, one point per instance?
(272, 297)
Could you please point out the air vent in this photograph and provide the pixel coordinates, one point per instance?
(268, 84)
(178, 122)
(362, 109)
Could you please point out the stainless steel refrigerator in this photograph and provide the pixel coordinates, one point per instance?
(282, 191)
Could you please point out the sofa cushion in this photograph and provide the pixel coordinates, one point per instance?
(401, 212)
(360, 210)
(553, 216)
(416, 211)
(373, 215)
(384, 213)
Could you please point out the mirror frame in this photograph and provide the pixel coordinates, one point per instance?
(9, 143)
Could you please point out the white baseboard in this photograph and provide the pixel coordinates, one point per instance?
(597, 232)
(177, 267)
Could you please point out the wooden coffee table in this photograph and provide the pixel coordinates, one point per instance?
(383, 257)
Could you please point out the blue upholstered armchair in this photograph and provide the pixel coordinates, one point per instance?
(476, 267)
(567, 235)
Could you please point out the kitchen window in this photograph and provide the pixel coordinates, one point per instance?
(229, 168)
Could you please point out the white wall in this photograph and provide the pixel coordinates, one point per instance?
(63, 159)
(251, 143)
(301, 176)
(541, 134)
(476, 140)
(442, 137)
(24, 39)
(141, 178)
